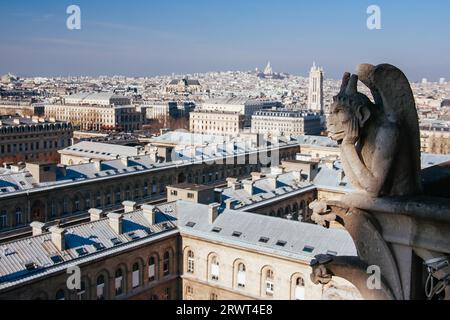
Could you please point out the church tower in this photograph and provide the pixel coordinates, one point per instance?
(315, 93)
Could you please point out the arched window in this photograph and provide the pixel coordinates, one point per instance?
(101, 288)
(152, 269)
(119, 282)
(299, 289)
(60, 295)
(215, 268)
(268, 282)
(166, 263)
(240, 278)
(136, 275)
(190, 261)
(98, 200)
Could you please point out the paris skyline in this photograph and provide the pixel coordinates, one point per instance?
(159, 38)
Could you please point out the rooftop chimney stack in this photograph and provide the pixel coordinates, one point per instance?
(129, 206)
(248, 186)
(149, 213)
(57, 236)
(115, 222)
(37, 227)
(213, 212)
(95, 214)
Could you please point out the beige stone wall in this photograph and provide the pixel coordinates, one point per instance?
(285, 273)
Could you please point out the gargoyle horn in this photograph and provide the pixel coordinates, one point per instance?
(352, 87)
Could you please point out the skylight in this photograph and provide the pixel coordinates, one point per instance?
(190, 224)
(81, 251)
(264, 239)
(236, 234)
(116, 241)
(308, 249)
(281, 243)
(98, 246)
(216, 229)
(56, 259)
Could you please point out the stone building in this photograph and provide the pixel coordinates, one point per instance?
(33, 139)
(315, 93)
(126, 255)
(285, 122)
(234, 255)
(97, 112)
(176, 250)
(71, 190)
(183, 86)
(242, 105)
(435, 137)
(216, 122)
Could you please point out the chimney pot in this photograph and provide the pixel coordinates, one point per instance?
(95, 214)
(213, 212)
(129, 206)
(115, 222)
(149, 212)
(57, 236)
(37, 227)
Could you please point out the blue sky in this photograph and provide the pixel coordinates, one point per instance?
(140, 38)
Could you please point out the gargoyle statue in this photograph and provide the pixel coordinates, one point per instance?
(379, 142)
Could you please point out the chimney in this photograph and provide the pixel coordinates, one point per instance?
(95, 214)
(231, 182)
(37, 227)
(57, 236)
(213, 212)
(98, 164)
(257, 175)
(229, 203)
(124, 161)
(149, 212)
(115, 222)
(272, 179)
(129, 206)
(248, 186)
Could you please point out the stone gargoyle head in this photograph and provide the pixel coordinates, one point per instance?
(349, 108)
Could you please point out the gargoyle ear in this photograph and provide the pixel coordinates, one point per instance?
(363, 114)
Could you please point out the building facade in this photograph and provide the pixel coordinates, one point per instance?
(435, 137)
(285, 123)
(33, 139)
(315, 92)
(216, 122)
(179, 250)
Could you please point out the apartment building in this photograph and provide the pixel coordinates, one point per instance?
(33, 139)
(285, 122)
(216, 122)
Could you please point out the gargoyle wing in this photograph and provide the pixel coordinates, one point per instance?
(392, 92)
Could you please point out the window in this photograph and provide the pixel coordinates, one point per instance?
(60, 295)
(135, 275)
(18, 216)
(167, 293)
(213, 296)
(190, 261)
(190, 195)
(300, 289)
(119, 282)
(151, 269)
(241, 276)
(3, 219)
(166, 263)
(101, 288)
(189, 290)
(269, 283)
(215, 269)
